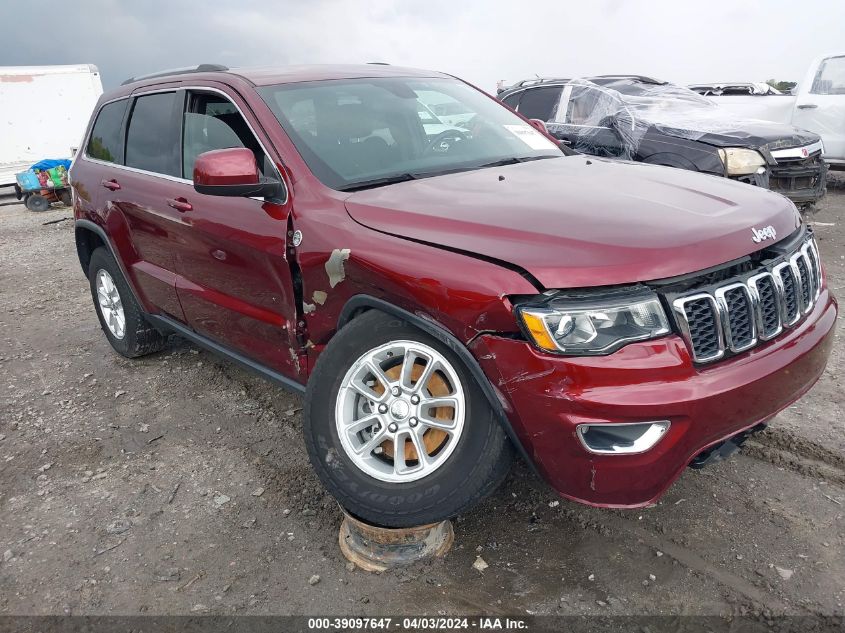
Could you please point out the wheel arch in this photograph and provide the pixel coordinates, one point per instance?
(359, 304)
(89, 237)
(87, 241)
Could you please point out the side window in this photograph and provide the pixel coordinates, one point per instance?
(540, 103)
(581, 109)
(151, 141)
(512, 101)
(104, 143)
(830, 79)
(213, 122)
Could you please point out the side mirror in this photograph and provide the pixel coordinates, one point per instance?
(232, 172)
(539, 125)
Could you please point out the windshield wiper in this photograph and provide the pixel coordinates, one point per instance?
(378, 182)
(513, 160)
(391, 180)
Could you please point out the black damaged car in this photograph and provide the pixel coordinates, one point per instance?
(650, 121)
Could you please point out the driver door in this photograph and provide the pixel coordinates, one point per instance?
(584, 126)
(234, 281)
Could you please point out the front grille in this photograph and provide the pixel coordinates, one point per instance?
(703, 329)
(769, 311)
(787, 278)
(740, 313)
(736, 315)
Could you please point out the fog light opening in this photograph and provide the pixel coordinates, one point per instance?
(622, 438)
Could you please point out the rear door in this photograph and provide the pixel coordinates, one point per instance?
(235, 281)
(138, 193)
(820, 107)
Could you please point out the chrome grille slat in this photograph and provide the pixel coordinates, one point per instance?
(738, 314)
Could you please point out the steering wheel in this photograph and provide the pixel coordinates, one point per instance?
(439, 143)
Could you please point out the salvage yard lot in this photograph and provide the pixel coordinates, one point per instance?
(178, 483)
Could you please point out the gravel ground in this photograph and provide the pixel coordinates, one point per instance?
(179, 484)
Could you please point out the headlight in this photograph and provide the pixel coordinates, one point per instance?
(592, 324)
(740, 162)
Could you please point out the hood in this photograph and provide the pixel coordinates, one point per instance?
(577, 221)
(757, 135)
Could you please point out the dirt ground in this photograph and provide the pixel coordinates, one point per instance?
(179, 484)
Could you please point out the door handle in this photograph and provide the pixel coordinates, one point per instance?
(111, 185)
(180, 204)
(807, 106)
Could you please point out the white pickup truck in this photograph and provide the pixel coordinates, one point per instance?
(43, 113)
(817, 105)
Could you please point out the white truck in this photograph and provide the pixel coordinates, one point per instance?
(43, 113)
(817, 104)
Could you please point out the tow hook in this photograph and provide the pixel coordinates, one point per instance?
(725, 449)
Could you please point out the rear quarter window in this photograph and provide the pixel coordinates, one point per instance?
(512, 101)
(105, 142)
(540, 103)
(152, 140)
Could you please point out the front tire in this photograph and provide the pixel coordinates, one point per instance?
(384, 394)
(120, 316)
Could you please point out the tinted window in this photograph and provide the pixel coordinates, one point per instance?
(540, 103)
(213, 122)
(512, 101)
(104, 143)
(151, 141)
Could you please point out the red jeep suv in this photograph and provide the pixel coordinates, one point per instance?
(446, 292)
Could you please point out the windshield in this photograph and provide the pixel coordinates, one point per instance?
(360, 132)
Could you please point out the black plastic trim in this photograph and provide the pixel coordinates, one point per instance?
(100, 232)
(360, 303)
(167, 324)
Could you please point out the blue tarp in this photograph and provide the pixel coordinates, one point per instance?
(49, 163)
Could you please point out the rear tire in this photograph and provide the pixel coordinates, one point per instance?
(458, 471)
(131, 335)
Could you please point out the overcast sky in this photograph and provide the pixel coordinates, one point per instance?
(480, 40)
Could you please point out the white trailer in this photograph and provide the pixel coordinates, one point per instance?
(43, 113)
(817, 104)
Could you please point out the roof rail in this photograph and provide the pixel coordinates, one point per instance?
(533, 82)
(640, 78)
(202, 68)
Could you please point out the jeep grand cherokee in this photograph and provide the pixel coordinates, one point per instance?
(445, 299)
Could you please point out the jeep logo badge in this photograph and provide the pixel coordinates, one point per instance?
(766, 233)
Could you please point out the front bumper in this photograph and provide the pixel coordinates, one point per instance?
(546, 397)
(803, 182)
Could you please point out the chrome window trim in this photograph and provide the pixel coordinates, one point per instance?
(679, 306)
(755, 292)
(142, 93)
(724, 314)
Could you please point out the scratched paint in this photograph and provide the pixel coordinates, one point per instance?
(319, 297)
(334, 266)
